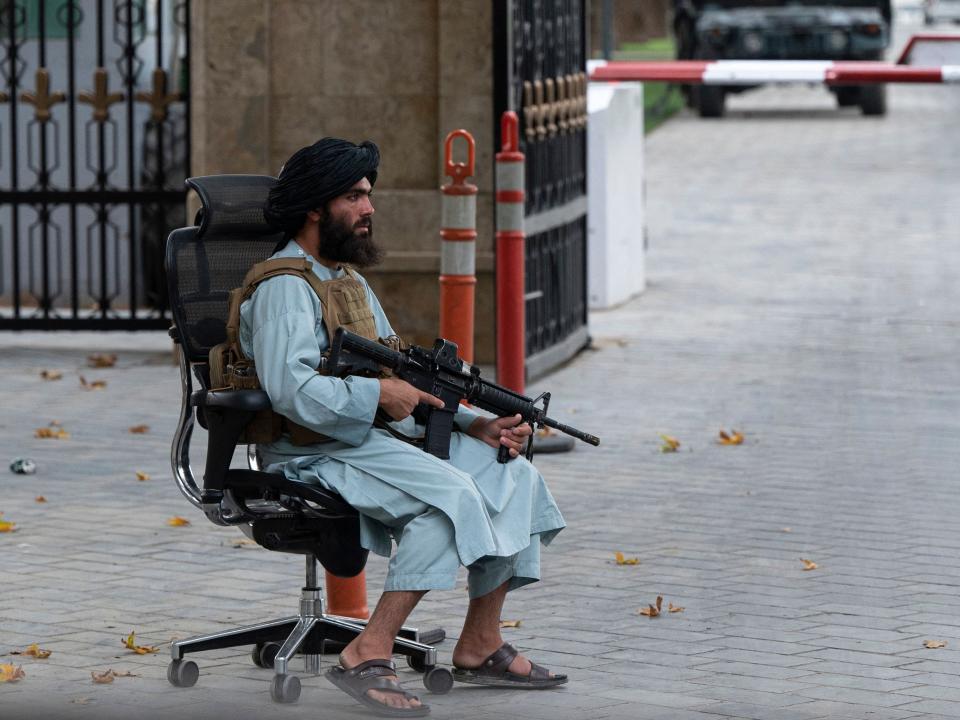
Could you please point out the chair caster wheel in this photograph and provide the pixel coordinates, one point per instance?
(438, 680)
(285, 688)
(416, 664)
(183, 673)
(264, 654)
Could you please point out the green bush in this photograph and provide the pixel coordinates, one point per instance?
(660, 100)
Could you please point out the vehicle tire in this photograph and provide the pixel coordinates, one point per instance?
(686, 49)
(285, 688)
(848, 96)
(873, 99)
(265, 653)
(438, 680)
(183, 673)
(711, 101)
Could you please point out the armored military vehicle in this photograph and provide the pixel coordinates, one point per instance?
(782, 30)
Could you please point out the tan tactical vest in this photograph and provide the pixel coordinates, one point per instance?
(343, 303)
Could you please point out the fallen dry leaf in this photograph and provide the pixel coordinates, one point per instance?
(244, 542)
(102, 678)
(40, 499)
(6, 526)
(130, 643)
(735, 438)
(934, 644)
(674, 608)
(51, 374)
(510, 623)
(786, 529)
(141, 476)
(808, 564)
(139, 429)
(622, 560)
(95, 385)
(107, 676)
(35, 651)
(53, 431)
(101, 360)
(652, 610)
(670, 444)
(10, 673)
(177, 521)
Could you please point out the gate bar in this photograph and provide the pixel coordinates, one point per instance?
(755, 72)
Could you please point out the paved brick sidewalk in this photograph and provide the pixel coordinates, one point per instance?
(803, 290)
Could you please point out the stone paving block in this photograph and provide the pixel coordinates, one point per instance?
(946, 708)
(936, 680)
(854, 657)
(758, 712)
(653, 712)
(754, 670)
(855, 696)
(760, 658)
(751, 682)
(831, 710)
(932, 692)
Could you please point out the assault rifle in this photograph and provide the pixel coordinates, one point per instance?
(441, 372)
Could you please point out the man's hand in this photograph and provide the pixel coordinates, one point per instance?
(507, 431)
(398, 398)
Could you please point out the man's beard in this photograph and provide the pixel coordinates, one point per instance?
(341, 243)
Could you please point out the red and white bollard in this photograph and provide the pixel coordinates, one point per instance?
(347, 596)
(459, 248)
(511, 304)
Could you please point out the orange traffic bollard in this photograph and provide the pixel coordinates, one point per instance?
(458, 253)
(348, 596)
(511, 303)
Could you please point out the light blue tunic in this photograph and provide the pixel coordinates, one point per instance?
(469, 510)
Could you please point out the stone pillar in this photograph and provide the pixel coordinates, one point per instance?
(270, 76)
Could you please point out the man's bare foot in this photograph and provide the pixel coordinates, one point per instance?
(353, 656)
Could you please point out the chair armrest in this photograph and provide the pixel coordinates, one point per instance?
(245, 400)
(227, 413)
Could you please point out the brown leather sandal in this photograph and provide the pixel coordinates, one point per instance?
(374, 675)
(493, 672)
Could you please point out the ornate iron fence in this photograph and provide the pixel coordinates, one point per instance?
(94, 149)
(540, 60)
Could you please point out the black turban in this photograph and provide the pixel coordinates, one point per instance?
(315, 174)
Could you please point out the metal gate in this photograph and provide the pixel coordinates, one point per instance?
(94, 148)
(540, 61)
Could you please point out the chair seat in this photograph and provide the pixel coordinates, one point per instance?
(260, 482)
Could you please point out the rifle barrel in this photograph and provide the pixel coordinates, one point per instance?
(579, 434)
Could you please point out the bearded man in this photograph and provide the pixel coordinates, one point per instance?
(469, 510)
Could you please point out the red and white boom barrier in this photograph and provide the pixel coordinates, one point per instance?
(511, 302)
(757, 72)
(458, 254)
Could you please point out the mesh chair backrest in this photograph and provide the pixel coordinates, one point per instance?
(205, 263)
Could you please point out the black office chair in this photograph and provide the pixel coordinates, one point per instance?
(203, 264)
